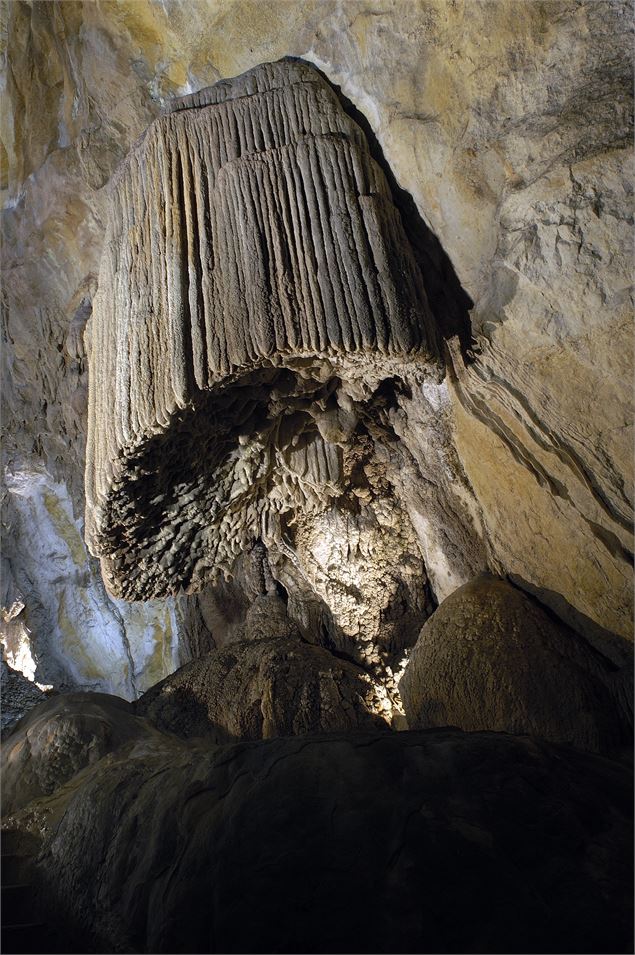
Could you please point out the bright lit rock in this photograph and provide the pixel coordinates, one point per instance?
(67, 632)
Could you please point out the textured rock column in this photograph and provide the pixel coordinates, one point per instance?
(253, 261)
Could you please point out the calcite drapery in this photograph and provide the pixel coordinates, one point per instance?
(255, 276)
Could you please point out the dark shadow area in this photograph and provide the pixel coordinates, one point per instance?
(35, 918)
(492, 843)
(178, 711)
(613, 653)
(614, 649)
(449, 302)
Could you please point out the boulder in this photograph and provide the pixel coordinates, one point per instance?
(492, 658)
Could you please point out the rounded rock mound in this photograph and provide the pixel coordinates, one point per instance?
(257, 689)
(491, 658)
(61, 737)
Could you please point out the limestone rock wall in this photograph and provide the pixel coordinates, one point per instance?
(59, 627)
(506, 123)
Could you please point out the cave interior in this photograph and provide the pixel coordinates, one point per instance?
(317, 585)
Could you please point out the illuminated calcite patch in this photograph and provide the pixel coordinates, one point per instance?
(68, 633)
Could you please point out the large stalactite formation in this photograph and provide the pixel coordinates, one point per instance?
(257, 279)
(258, 305)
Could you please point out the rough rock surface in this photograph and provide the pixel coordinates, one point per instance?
(491, 658)
(410, 842)
(59, 738)
(249, 336)
(254, 263)
(505, 125)
(264, 688)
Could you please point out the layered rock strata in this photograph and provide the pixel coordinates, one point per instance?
(256, 281)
